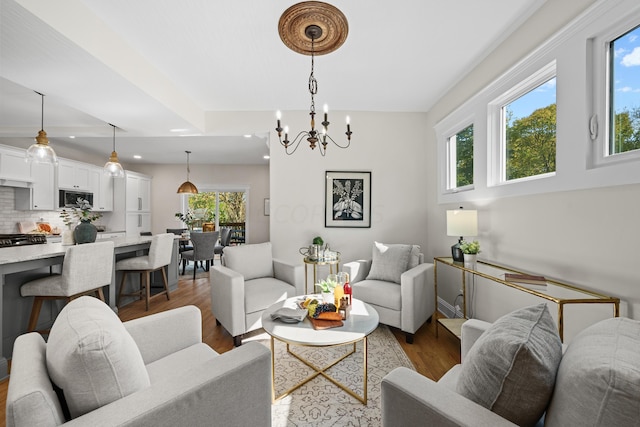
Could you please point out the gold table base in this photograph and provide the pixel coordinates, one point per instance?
(320, 371)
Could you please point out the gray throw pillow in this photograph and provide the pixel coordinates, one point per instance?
(389, 262)
(598, 382)
(511, 368)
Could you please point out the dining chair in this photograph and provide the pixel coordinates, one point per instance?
(183, 245)
(85, 270)
(203, 249)
(225, 239)
(159, 257)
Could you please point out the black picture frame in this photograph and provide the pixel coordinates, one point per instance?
(347, 202)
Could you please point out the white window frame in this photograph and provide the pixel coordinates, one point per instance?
(599, 80)
(497, 125)
(447, 155)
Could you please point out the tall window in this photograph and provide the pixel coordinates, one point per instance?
(624, 93)
(529, 126)
(460, 154)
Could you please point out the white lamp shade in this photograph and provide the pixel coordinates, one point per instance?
(462, 222)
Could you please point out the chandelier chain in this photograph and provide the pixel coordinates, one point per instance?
(313, 83)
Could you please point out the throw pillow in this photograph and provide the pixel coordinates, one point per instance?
(252, 261)
(511, 369)
(389, 262)
(92, 357)
(598, 380)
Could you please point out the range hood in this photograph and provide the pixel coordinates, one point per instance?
(13, 182)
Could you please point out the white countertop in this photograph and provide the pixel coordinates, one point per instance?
(49, 250)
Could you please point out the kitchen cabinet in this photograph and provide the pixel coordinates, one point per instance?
(40, 196)
(13, 166)
(74, 175)
(102, 189)
(138, 190)
(138, 223)
(111, 235)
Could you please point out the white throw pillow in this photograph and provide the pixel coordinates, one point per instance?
(511, 368)
(92, 357)
(252, 261)
(389, 262)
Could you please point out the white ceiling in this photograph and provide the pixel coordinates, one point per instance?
(149, 66)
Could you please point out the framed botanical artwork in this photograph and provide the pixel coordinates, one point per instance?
(347, 201)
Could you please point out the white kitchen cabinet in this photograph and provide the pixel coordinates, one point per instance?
(13, 166)
(138, 190)
(102, 189)
(41, 194)
(138, 223)
(110, 235)
(74, 175)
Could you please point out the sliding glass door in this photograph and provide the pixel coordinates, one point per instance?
(213, 209)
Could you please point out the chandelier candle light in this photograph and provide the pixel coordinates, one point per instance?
(302, 26)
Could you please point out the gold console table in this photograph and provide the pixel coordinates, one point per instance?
(551, 293)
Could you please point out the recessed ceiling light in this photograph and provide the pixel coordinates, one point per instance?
(72, 137)
(137, 156)
(178, 130)
(266, 157)
(248, 136)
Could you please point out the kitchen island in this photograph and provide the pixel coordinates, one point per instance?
(20, 264)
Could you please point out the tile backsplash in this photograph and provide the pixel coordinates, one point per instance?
(9, 216)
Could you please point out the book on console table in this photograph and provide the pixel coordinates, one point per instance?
(528, 280)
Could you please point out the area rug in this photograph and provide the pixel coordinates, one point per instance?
(321, 403)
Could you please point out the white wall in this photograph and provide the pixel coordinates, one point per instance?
(389, 145)
(584, 237)
(165, 202)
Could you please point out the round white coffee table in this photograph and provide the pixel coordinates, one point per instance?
(361, 321)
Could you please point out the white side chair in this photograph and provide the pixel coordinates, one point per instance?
(159, 257)
(85, 270)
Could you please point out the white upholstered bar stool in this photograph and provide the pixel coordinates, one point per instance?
(159, 257)
(85, 270)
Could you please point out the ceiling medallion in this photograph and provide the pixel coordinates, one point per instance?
(295, 21)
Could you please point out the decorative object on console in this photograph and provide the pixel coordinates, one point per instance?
(461, 223)
(113, 168)
(527, 280)
(187, 187)
(312, 28)
(41, 151)
(470, 251)
(347, 199)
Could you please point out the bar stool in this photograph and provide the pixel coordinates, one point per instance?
(85, 270)
(159, 257)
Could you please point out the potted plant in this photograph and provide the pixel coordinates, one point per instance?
(327, 287)
(470, 251)
(85, 232)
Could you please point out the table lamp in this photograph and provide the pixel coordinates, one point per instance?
(461, 223)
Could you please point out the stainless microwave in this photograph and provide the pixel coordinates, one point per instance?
(69, 199)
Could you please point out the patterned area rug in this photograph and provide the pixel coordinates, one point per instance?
(321, 403)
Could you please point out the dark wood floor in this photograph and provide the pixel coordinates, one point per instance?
(431, 356)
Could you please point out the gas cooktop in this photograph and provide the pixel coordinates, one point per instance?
(7, 240)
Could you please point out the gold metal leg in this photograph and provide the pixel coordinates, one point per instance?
(321, 371)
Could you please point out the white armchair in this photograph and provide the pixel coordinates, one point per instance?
(250, 281)
(152, 371)
(400, 289)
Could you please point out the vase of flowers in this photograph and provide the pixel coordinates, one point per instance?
(85, 231)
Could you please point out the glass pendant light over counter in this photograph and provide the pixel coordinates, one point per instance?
(113, 168)
(187, 187)
(41, 152)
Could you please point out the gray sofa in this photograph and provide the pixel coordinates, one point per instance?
(597, 383)
(152, 371)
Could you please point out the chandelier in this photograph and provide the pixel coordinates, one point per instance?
(312, 28)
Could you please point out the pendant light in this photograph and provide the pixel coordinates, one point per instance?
(41, 152)
(187, 186)
(113, 168)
